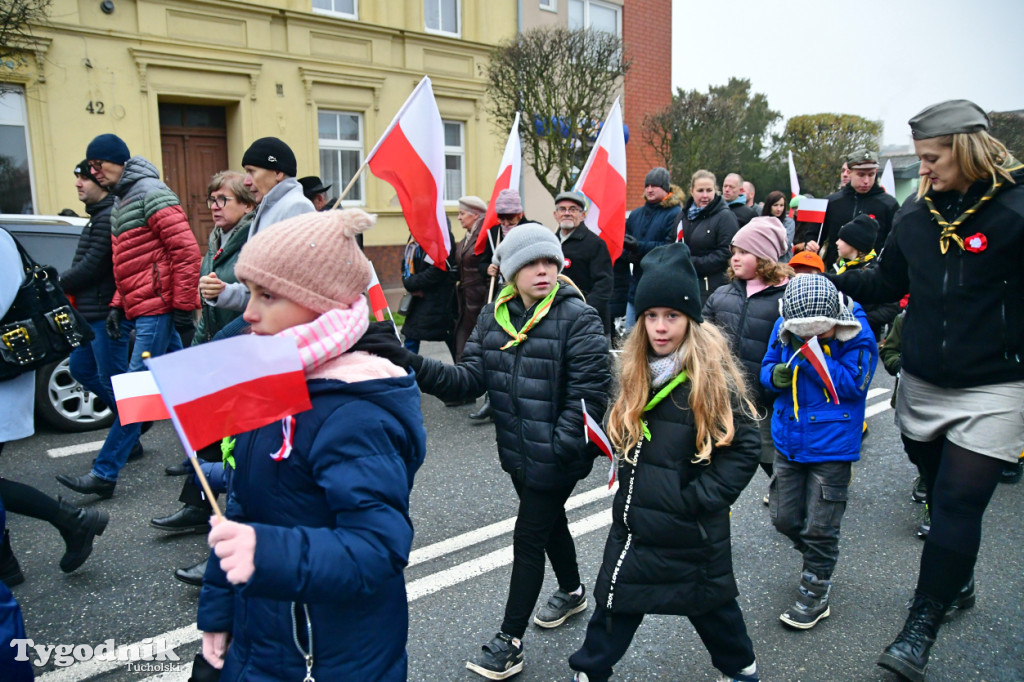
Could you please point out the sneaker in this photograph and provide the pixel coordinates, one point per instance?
(742, 676)
(811, 603)
(926, 524)
(499, 659)
(767, 500)
(920, 493)
(580, 677)
(1012, 472)
(560, 606)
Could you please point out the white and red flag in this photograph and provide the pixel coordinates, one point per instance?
(811, 210)
(410, 157)
(794, 181)
(509, 173)
(593, 433)
(138, 398)
(603, 182)
(888, 179)
(228, 387)
(816, 358)
(375, 292)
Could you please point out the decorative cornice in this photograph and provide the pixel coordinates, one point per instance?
(147, 58)
(311, 76)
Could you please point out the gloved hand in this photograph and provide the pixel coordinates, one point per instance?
(114, 319)
(183, 319)
(380, 340)
(782, 376)
(629, 243)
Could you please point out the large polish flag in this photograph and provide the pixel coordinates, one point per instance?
(603, 182)
(410, 156)
(138, 398)
(227, 387)
(811, 210)
(509, 173)
(794, 181)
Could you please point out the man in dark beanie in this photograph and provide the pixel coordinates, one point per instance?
(647, 227)
(155, 261)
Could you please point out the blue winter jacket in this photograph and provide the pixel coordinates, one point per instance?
(819, 430)
(332, 532)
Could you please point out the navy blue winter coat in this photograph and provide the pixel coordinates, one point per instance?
(332, 532)
(652, 226)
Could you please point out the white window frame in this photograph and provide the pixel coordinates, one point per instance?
(608, 5)
(457, 33)
(335, 13)
(324, 144)
(549, 5)
(19, 117)
(460, 152)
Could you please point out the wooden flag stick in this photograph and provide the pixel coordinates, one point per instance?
(350, 184)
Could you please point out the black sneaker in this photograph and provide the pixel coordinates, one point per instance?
(499, 659)
(920, 493)
(560, 606)
(1012, 472)
(926, 524)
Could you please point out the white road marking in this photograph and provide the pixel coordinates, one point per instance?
(83, 671)
(875, 392)
(69, 450)
(877, 408)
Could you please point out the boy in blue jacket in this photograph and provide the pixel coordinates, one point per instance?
(816, 436)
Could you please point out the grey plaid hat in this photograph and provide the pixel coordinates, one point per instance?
(812, 306)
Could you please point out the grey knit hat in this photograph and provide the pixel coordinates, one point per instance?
(658, 177)
(524, 244)
(812, 306)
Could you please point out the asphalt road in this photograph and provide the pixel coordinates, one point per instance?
(463, 508)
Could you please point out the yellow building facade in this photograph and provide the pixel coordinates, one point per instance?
(189, 85)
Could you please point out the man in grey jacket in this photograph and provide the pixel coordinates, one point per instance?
(270, 170)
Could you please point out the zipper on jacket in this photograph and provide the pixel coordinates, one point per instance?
(625, 522)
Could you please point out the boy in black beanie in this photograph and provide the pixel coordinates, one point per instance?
(855, 245)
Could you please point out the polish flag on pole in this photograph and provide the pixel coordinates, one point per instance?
(231, 386)
(138, 398)
(593, 433)
(811, 210)
(375, 292)
(509, 173)
(410, 157)
(794, 181)
(816, 357)
(603, 182)
(888, 180)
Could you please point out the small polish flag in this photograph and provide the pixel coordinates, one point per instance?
(603, 181)
(227, 387)
(138, 399)
(410, 156)
(811, 210)
(375, 292)
(888, 179)
(508, 178)
(794, 181)
(593, 433)
(816, 357)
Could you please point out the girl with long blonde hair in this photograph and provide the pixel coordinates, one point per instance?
(683, 425)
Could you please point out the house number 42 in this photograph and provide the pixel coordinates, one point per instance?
(95, 107)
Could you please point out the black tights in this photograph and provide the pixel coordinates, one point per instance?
(19, 498)
(960, 484)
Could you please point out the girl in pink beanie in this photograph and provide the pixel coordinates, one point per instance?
(305, 577)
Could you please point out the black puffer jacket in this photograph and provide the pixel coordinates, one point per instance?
(669, 547)
(747, 321)
(709, 237)
(433, 312)
(847, 204)
(965, 324)
(90, 279)
(535, 387)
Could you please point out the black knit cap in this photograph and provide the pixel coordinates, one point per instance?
(273, 154)
(658, 177)
(82, 170)
(669, 281)
(860, 233)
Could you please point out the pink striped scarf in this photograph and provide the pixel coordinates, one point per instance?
(330, 335)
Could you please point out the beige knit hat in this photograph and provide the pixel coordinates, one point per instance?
(312, 259)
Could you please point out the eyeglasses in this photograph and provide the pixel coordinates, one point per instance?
(567, 209)
(508, 217)
(95, 164)
(219, 202)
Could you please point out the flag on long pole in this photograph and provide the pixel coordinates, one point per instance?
(888, 179)
(603, 181)
(794, 181)
(410, 156)
(812, 352)
(509, 173)
(593, 433)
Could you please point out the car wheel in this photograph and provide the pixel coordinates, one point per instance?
(64, 404)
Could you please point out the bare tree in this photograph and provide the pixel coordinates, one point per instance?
(1008, 128)
(819, 143)
(16, 19)
(563, 82)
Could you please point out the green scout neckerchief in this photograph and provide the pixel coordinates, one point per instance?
(660, 395)
(502, 318)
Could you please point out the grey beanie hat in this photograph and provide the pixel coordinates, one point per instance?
(812, 306)
(658, 177)
(524, 244)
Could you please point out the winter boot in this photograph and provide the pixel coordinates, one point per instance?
(78, 527)
(920, 493)
(925, 526)
(10, 571)
(908, 654)
(811, 603)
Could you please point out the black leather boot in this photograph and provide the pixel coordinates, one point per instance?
(188, 519)
(193, 575)
(10, 571)
(90, 484)
(484, 412)
(78, 527)
(908, 654)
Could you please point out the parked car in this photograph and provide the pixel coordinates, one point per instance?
(61, 402)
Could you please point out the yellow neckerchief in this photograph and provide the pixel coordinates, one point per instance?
(796, 368)
(502, 317)
(660, 395)
(856, 261)
(949, 229)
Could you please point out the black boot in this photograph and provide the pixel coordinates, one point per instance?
(193, 575)
(188, 519)
(10, 571)
(484, 412)
(908, 654)
(90, 484)
(78, 527)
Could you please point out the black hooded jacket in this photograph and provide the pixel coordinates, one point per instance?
(709, 237)
(90, 279)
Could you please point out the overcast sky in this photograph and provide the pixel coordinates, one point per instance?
(880, 59)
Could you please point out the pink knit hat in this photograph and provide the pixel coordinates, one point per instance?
(763, 236)
(508, 202)
(312, 259)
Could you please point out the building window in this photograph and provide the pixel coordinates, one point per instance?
(341, 153)
(442, 16)
(346, 9)
(549, 5)
(454, 162)
(15, 166)
(600, 16)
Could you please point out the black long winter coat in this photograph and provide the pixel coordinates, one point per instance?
(535, 387)
(709, 237)
(847, 204)
(669, 546)
(90, 279)
(433, 312)
(589, 266)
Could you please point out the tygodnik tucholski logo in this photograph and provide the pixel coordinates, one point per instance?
(149, 655)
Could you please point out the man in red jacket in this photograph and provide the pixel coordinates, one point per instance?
(156, 273)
